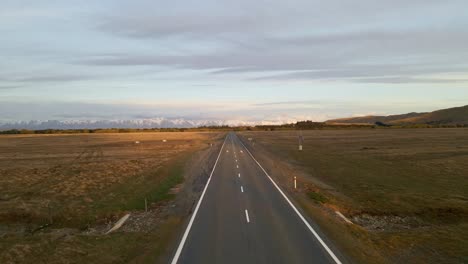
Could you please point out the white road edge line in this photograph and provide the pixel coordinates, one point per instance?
(247, 216)
(330, 252)
(189, 226)
(242, 189)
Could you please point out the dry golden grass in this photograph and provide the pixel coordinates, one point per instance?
(60, 193)
(71, 174)
(405, 189)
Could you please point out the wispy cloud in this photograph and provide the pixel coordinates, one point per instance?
(325, 56)
(37, 78)
(400, 80)
(9, 87)
(56, 78)
(401, 42)
(288, 103)
(305, 58)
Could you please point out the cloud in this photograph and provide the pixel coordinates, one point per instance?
(355, 54)
(376, 73)
(310, 39)
(246, 113)
(56, 78)
(410, 80)
(204, 85)
(288, 103)
(166, 25)
(298, 50)
(212, 18)
(46, 78)
(9, 87)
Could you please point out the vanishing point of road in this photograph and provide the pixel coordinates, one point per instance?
(244, 217)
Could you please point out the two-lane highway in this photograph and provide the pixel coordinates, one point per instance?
(244, 217)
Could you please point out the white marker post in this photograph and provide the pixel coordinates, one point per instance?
(295, 182)
(301, 141)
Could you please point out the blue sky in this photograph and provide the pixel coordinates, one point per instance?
(271, 61)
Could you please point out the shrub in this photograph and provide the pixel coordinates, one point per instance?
(317, 197)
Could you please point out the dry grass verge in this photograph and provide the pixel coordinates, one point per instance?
(60, 193)
(406, 190)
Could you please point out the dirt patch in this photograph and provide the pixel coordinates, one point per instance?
(384, 223)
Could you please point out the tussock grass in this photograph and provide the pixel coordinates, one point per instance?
(411, 182)
(77, 182)
(317, 197)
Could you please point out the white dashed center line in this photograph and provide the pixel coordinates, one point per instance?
(242, 189)
(237, 166)
(247, 216)
(238, 175)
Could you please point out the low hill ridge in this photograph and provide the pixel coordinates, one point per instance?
(455, 115)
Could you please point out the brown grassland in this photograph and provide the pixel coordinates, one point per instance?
(59, 194)
(405, 190)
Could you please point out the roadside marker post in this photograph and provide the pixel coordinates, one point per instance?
(301, 141)
(320, 240)
(295, 182)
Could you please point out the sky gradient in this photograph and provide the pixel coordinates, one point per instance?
(253, 61)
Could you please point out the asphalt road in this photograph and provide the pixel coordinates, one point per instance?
(242, 217)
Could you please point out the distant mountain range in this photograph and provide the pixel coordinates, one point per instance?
(456, 115)
(95, 124)
(450, 116)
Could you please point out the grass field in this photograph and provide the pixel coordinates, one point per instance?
(75, 184)
(406, 190)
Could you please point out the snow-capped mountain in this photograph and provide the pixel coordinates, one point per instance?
(149, 122)
(94, 124)
(133, 123)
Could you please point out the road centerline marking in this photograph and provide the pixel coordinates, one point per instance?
(238, 175)
(189, 226)
(242, 189)
(329, 251)
(247, 216)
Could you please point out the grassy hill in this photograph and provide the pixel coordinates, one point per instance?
(455, 115)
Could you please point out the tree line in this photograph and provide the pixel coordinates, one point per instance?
(301, 125)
